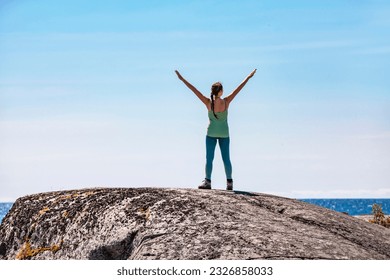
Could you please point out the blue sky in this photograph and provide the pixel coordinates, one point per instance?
(88, 95)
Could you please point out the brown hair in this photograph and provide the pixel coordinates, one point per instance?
(215, 89)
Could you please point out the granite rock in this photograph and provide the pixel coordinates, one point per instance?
(160, 223)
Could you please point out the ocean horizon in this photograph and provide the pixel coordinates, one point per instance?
(352, 206)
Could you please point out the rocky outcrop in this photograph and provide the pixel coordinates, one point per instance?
(154, 223)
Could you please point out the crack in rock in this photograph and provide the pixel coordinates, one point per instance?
(3, 249)
(123, 249)
(138, 244)
(120, 250)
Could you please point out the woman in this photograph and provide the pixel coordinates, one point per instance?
(218, 129)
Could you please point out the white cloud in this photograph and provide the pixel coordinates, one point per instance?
(293, 157)
(310, 45)
(372, 50)
(378, 136)
(17, 90)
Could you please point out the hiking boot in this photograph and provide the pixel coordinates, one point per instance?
(229, 186)
(206, 185)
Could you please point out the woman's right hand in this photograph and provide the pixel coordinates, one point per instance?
(178, 75)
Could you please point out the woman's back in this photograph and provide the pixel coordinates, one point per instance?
(220, 105)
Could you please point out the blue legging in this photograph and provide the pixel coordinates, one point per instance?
(224, 143)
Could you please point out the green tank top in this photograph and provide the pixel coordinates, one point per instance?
(218, 127)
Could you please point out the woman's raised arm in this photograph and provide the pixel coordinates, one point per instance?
(202, 98)
(237, 90)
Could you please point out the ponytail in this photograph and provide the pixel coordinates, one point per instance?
(212, 104)
(215, 89)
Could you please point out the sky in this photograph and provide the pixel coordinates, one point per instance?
(89, 97)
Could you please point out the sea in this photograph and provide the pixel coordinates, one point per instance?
(357, 206)
(4, 208)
